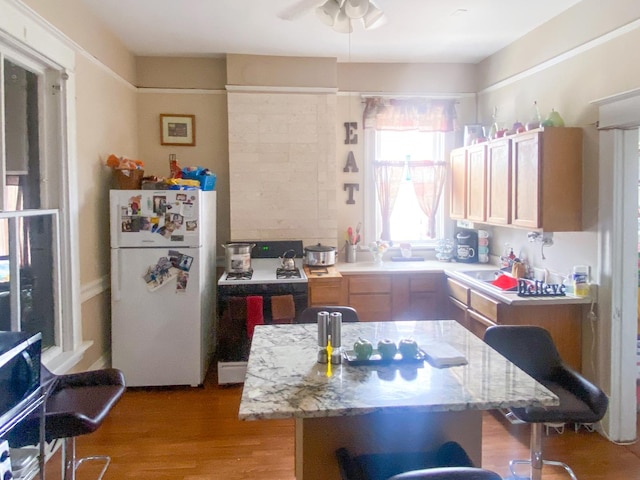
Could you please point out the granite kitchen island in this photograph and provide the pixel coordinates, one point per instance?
(374, 409)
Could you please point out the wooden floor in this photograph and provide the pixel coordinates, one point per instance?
(194, 434)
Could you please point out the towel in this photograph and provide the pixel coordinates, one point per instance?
(441, 355)
(254, 313)
(283, 309)
(231, 330)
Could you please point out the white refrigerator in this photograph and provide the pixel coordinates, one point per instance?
(163, 285)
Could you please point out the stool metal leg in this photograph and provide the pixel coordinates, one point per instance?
(536, 461)
(70, 464)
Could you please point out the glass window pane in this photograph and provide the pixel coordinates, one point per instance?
(408, 222)
(34, 257)
(21, 134)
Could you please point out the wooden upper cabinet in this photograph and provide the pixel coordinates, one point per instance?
(529, 180)
(477, 183)
(499, 182)
(458, 201)
(526, 181)
(546, 179)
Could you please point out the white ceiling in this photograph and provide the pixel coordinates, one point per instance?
(452, 31)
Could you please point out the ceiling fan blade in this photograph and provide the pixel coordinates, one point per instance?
(298, 9)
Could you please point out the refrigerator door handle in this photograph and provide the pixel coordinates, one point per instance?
(115, 274)
(115, 220)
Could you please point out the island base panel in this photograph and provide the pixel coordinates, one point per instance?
(317, 439)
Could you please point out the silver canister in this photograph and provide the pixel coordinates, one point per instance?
(335, 324)
(323, 336)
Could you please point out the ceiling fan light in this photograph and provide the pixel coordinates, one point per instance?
(342, 23)
(356, 8)
(374, 17)
(328, 12)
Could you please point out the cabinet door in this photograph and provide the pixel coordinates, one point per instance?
(458, 201)
(370, 295)
(476, 182)
(525, 177)
(478, 324)
(458, 312)
(418, 296)
(499, 182)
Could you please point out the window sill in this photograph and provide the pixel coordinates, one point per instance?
(61, 362)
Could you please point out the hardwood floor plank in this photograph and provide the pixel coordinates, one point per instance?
(194, 434)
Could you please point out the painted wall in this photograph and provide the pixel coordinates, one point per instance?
(581, 56)
(106, 123)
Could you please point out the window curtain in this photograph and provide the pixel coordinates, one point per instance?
(421, 114)
(388, 176)
(428, 178)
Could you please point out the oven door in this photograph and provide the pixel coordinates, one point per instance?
(233, 341)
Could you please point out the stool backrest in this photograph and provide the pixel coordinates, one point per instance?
(310, 314)
(529, 347)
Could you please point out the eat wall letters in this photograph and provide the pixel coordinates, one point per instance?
(351, 187)
(351, 138)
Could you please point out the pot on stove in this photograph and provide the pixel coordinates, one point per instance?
(320, 255)
(238, 257)
(288, 263)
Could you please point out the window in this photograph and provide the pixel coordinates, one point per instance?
(415, 164)
(38, 224)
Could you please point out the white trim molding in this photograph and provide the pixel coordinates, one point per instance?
(563, 57)
(269, 89)
(617, 242)
(94, 288)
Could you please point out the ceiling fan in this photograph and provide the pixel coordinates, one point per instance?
(338, 14)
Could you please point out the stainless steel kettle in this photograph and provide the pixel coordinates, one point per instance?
(288, 263)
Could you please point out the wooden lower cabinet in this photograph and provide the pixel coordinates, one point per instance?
(326, 289)
(381, 297)
(370, 295)
(564, 321)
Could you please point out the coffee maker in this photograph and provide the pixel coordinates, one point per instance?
(466, 250)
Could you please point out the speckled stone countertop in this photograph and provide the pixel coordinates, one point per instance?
(284, 380)
(456, 271)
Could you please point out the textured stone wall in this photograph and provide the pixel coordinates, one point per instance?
(282, 166)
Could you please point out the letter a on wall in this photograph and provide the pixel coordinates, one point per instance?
(351, 165)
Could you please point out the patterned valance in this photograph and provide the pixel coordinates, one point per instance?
(422, 114)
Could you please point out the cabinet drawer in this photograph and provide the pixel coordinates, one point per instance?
(484, 305)
(326, 294)
(477, 323)
(458, 291)
(370, 284)
(425, 283)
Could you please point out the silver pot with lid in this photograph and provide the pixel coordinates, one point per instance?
(320, 255)
(238, 257)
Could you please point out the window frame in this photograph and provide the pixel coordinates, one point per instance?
(370, 205)
(27, 40)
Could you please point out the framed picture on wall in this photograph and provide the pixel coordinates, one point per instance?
(177, 129)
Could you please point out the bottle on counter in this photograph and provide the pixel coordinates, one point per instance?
(580, 279)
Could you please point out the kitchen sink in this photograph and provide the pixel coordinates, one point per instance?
(482, 275)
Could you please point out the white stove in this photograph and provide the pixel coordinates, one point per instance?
(266, 270)
(267, 280)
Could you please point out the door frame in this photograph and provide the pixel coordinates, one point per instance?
(619, 119)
